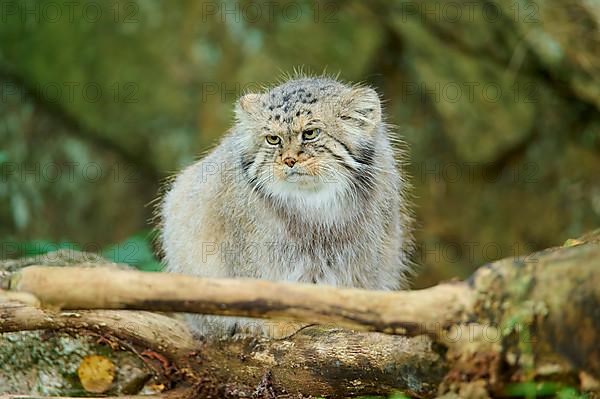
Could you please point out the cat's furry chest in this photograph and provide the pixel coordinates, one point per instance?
(303, 251)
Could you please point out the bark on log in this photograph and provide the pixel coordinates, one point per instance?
(516, 320)
(316, 361)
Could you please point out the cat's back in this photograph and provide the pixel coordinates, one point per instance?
(193, 212)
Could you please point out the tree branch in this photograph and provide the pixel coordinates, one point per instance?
(137, 327)
(403, 312)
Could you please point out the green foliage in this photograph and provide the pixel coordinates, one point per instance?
(532, 390)
(529, 390)
(394, 395)
(570, 393)
(136, 250)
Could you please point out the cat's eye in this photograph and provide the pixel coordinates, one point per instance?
(273, 140)
(312, 134)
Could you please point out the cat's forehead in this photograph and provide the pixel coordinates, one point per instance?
(300, 94)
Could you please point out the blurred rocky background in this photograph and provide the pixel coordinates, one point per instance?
(498, 102)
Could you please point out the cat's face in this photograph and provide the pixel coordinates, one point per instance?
(310, 140)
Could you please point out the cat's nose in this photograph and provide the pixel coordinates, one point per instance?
(289, 161)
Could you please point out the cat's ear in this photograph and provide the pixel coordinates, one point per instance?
(248, 104)
(361, 108)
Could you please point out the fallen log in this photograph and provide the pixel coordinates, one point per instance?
(521, 319)
(314, 361)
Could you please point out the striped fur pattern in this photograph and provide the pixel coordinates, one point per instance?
(304, 188)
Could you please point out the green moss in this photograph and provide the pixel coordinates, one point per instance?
(45, 363)
(42, 363)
